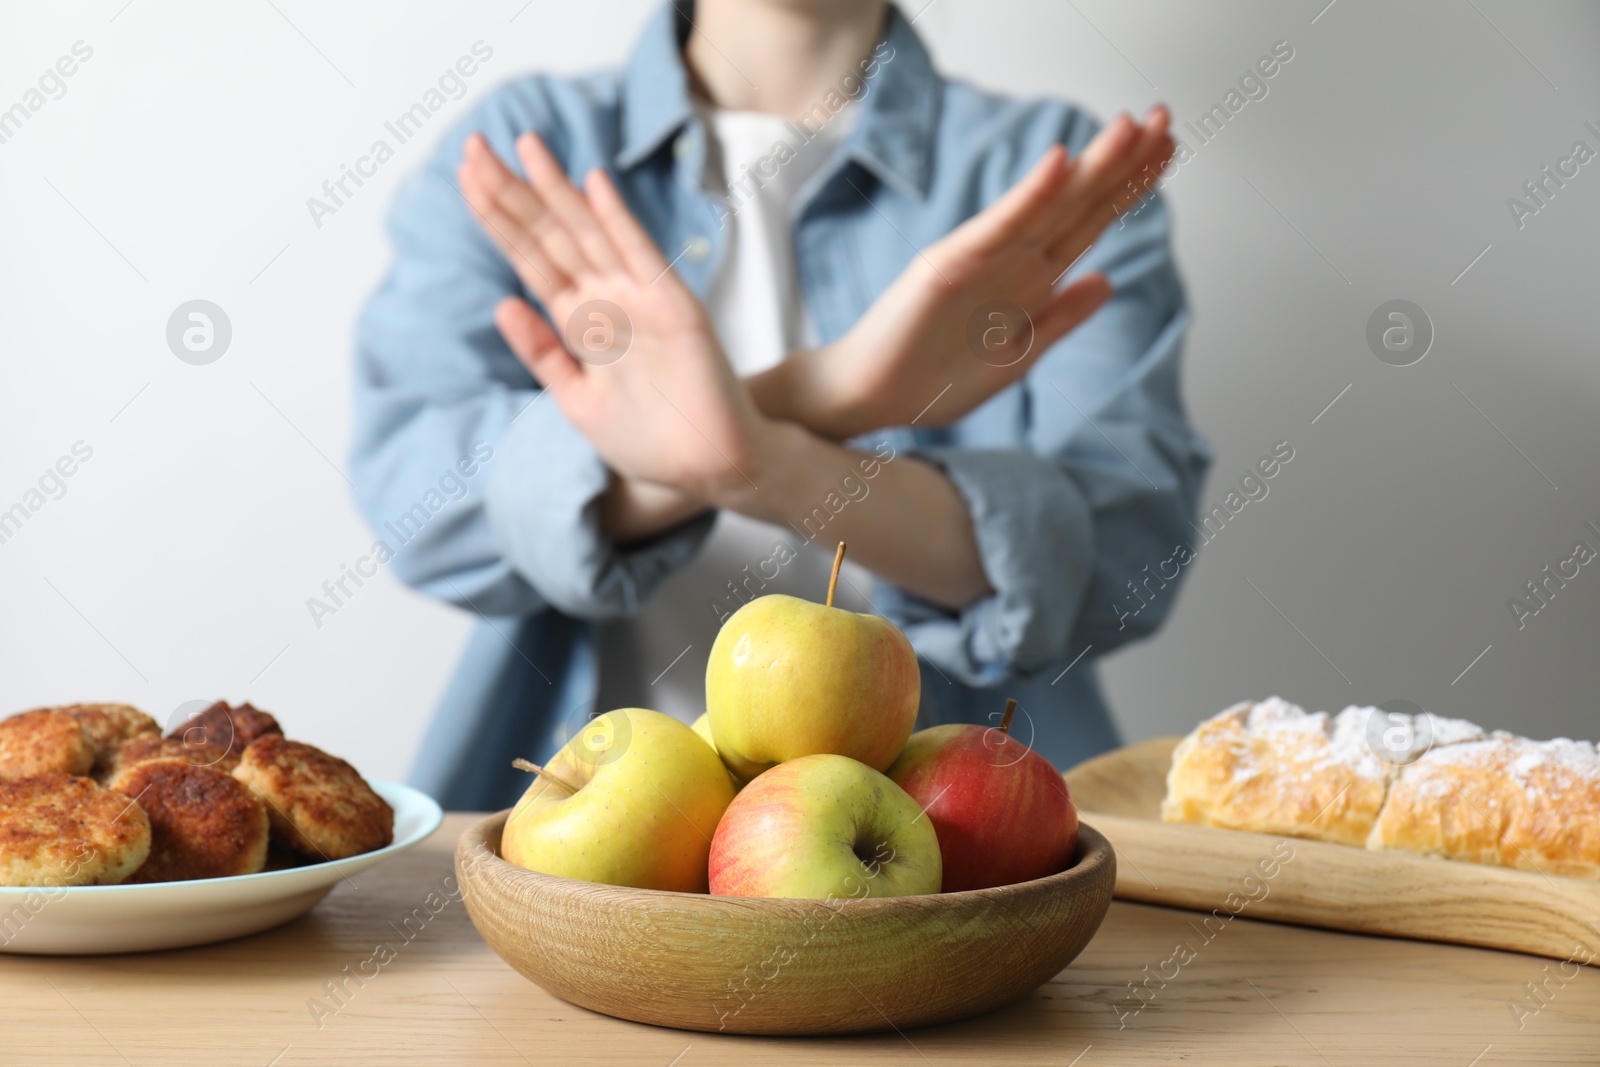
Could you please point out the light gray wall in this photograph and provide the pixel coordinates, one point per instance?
(1378, 167)
(177, 163)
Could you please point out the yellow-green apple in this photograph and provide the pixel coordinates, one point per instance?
(632, 799)
(702, 726)
(1002, 812)
(824, 827)
(789, 678)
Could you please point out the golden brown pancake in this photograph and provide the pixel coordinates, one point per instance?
(108, 726)
(59, 830)
(318, 803)
(226, 728)
(45, 741)
(203, 823)
(154, 746)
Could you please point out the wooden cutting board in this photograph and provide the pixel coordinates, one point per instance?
(1229, 873)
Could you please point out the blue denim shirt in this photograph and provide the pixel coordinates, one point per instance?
(1081, 480)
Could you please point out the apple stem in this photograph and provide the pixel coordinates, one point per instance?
(528, 765)
(833, 579)
(1005, 720)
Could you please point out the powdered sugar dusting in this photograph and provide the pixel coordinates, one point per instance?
(1279, 739)
(1542, 769)
(1315, 741)
(1445, 786)
(1318, 741)
(1276, 714)
(1351, 743)
(1453, 731)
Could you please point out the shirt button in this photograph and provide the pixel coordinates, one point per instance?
(696, 249)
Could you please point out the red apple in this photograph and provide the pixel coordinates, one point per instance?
(823, 827)
(1001, 811)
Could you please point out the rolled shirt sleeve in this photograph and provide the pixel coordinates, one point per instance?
(437, 385)
(546, 519)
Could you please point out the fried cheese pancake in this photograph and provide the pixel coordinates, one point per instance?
(203, 823)
(62, 830)
(45, 741)
(318, 803)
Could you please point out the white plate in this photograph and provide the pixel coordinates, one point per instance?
(94, 919)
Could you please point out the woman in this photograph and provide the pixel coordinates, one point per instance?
(803, 290)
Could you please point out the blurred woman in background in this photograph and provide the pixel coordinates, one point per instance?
(775, 284)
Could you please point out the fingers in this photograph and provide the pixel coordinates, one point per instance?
(639, 253)
(567, 204)
(1129, 151)
(517, 200)
(1097, 166)
(1145, 161)
(536, 346)
(508, 229)
(1082, 226)
(1109, 147)
(1014, 216)
(1122, 153)
(1069, 308)
(1063, 312)
(1089, 226)
(1058, 197)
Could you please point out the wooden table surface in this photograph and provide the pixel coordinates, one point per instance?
(1256, 993)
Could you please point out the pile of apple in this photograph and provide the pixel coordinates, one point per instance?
(802, 779)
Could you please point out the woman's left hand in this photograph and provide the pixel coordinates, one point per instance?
(975, 310)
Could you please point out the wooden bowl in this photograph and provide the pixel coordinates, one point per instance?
(763, 966)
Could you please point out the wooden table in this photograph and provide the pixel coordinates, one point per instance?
(1256, 994)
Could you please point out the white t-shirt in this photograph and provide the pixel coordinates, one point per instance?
(759, 164)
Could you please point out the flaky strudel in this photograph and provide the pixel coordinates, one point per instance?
(1375, 778)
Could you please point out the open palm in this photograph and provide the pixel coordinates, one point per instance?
(636, 367)
(975, 310)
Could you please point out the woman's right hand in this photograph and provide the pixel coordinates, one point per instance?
(636, 368)
(953, 330)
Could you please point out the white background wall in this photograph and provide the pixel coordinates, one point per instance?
(177, 164)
